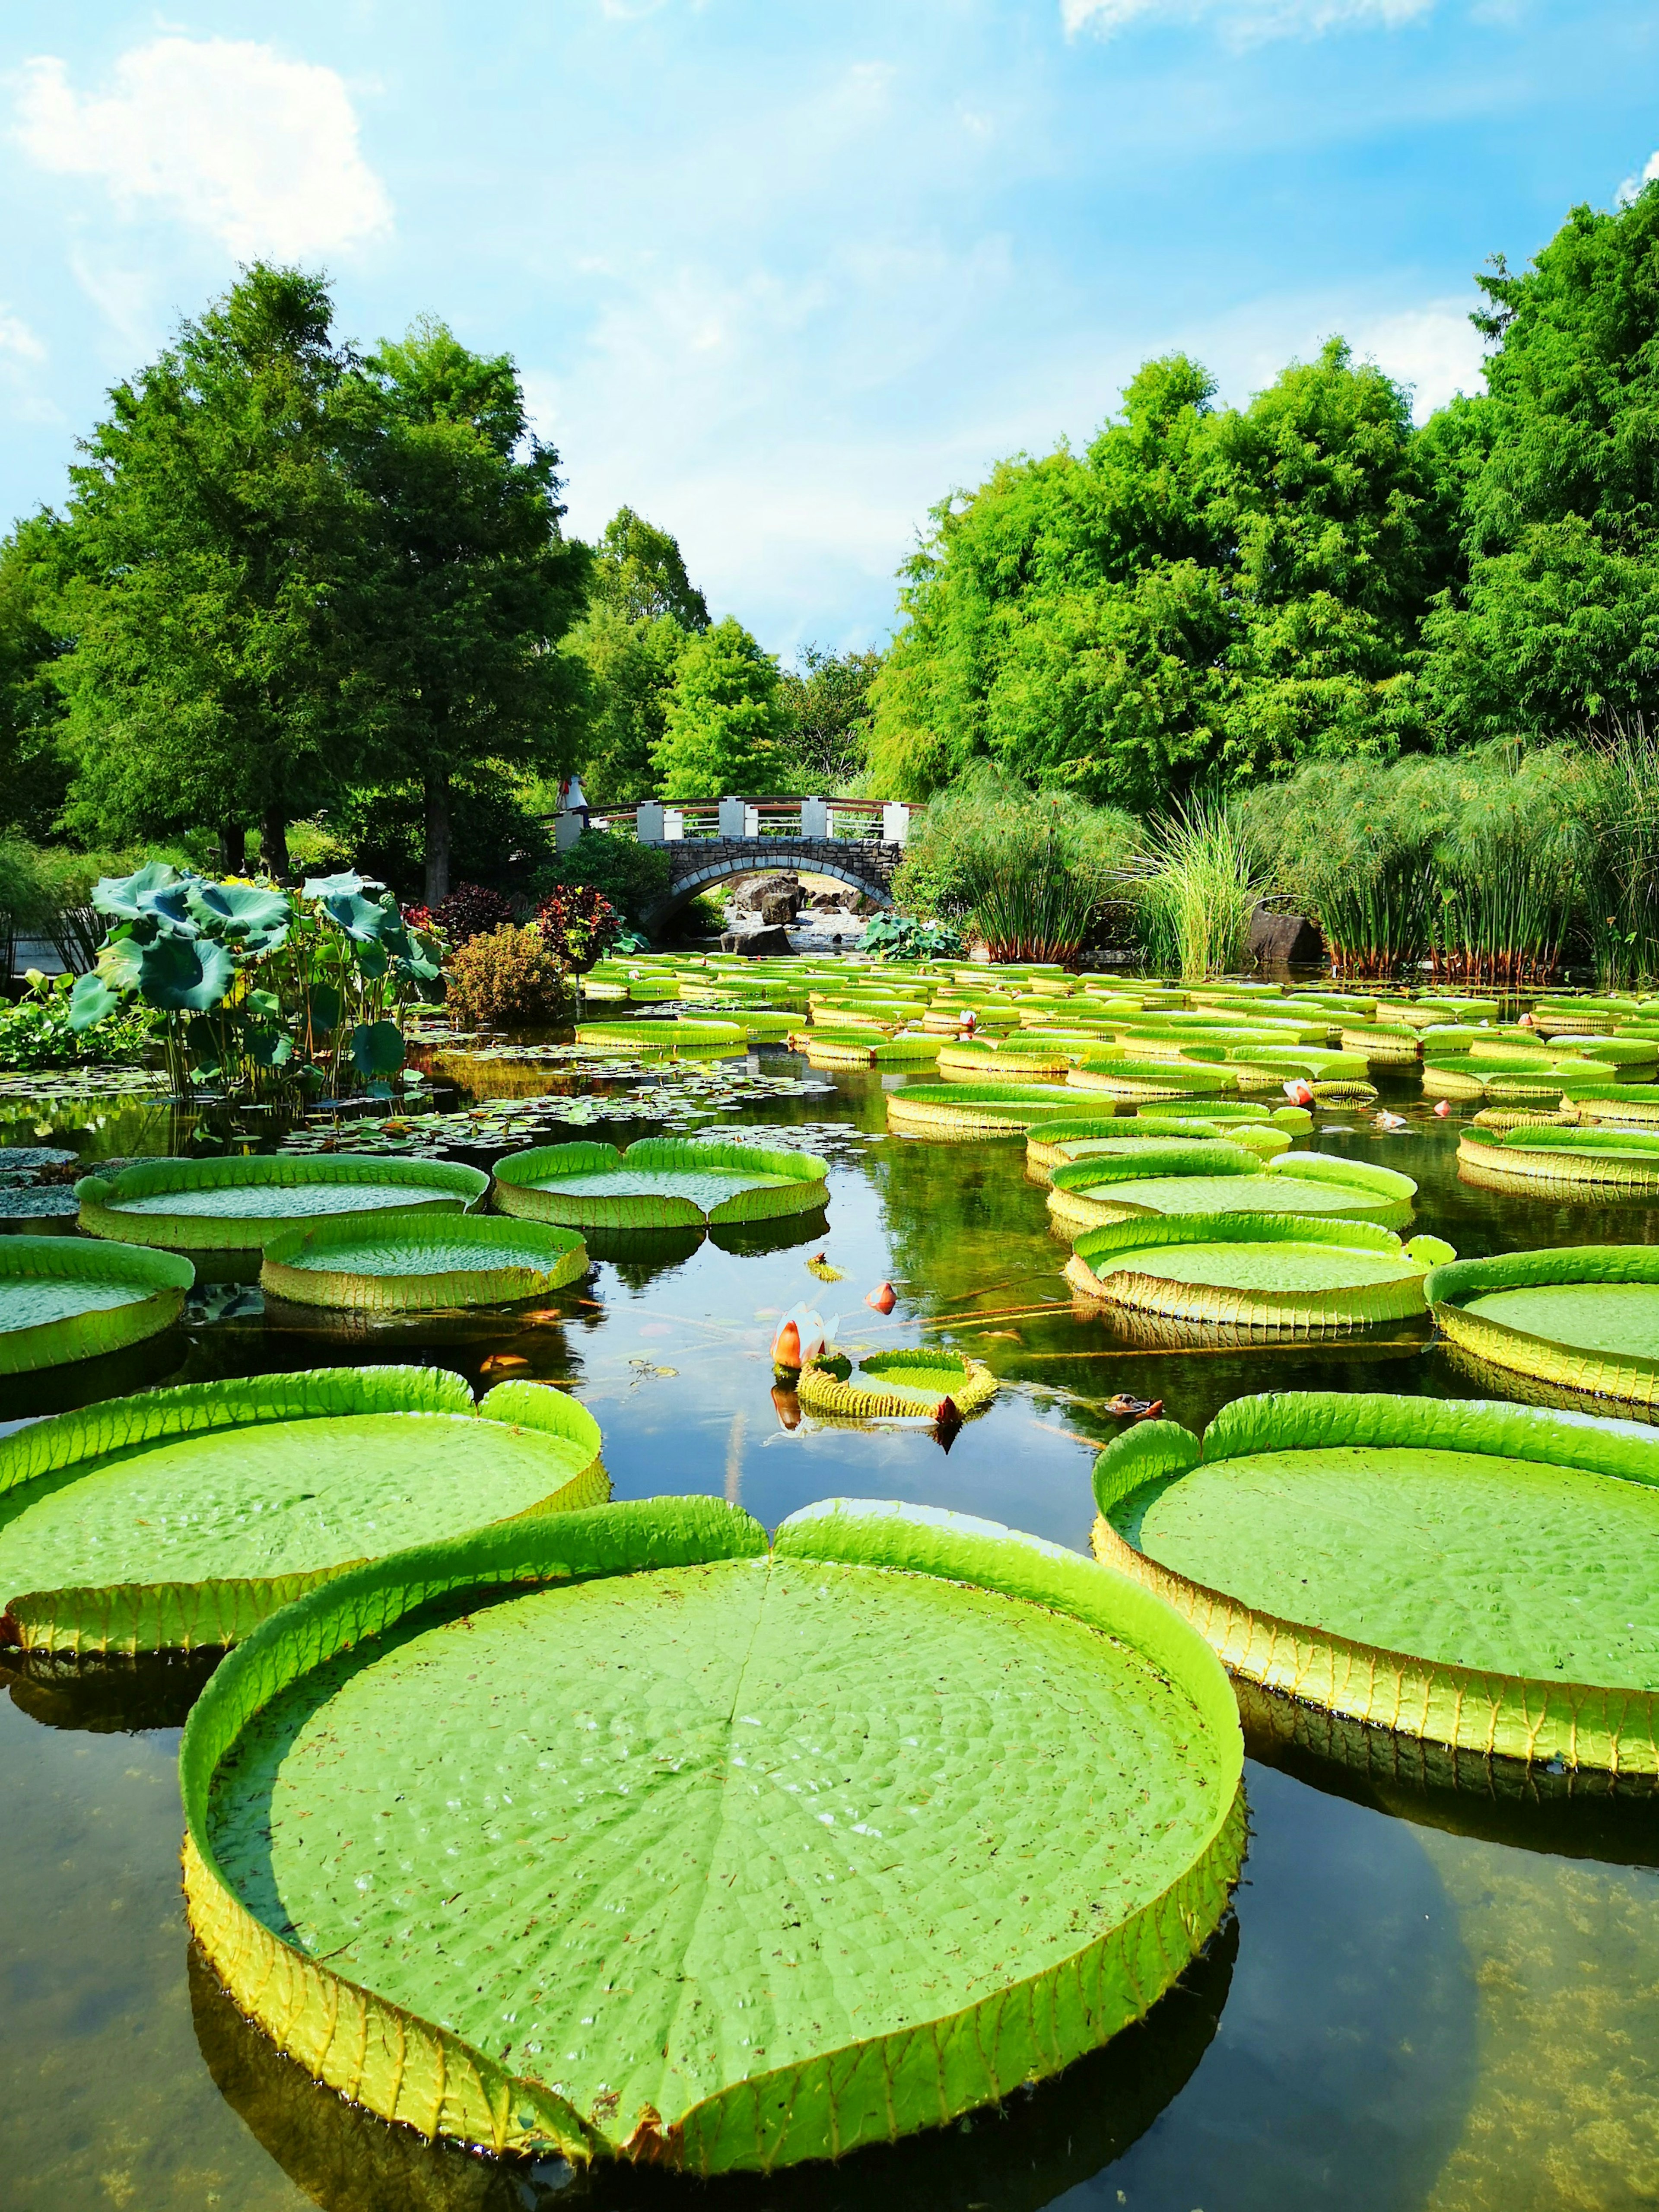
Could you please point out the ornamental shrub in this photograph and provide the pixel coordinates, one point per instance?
(469, 911)
(632, 876)
(579, 923)
(510, 979)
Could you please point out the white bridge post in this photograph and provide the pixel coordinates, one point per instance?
(894, 822)
(649, 822)
(815, 818)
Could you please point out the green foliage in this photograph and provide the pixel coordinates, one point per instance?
(827, 697)
(1560, 624)
(1030, 873)
(463, 580)
(901, 937)
(1197, 887)
(509, 978)
(639, 574)
(35, 764)
(632, 876)
(1203, 591)
(38, 1031)
(1622, 856)
(727, 726)
(630, 668)
(263, 993)
(207, 539)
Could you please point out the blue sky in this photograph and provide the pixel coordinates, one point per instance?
(780, 276)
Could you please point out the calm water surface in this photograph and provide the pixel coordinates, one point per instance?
(1438, 1992)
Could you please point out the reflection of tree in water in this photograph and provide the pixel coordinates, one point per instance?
(1017, 2158)
(108, 1693)
(962, 1216)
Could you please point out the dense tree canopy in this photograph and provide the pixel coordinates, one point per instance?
(727, 728)
(826, 696)
(643, 610)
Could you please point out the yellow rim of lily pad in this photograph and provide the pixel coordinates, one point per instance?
(968, 1384)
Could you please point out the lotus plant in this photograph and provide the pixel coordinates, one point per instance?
(802, 1336)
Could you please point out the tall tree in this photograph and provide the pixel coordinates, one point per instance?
(1559, 625)
(643, 609)
(827, 698)
(726, 727)
(35, 766)
(206, 536)
(448, 640)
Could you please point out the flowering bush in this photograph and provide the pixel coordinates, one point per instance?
(470, 910)
(510, 979)
(578, 922)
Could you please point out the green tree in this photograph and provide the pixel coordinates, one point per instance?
(35, 764)
(827, 697)
(1558, 625)
(207, 536)
(643, 609)
(467, 585)
(727, 728)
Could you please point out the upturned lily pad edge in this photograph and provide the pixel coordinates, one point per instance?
(414, 2073)
(163, 1278)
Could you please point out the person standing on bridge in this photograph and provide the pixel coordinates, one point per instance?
(572, 799)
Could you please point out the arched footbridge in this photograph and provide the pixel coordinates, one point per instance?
(859, 842)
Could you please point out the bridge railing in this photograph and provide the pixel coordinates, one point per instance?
(657, 823)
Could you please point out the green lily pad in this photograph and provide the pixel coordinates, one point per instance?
(960, 1110)
(1566, 1158)
(662, 1182)
(420, 1262)
(62, 1299)
(1266, 1274)
(181, 1517)
(1476, 1573)
(890, 1385)
(1584, 1318)
(239, 1204)
(1217, 1176)
(702, 1856)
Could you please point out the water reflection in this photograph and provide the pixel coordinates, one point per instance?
(110, 1693)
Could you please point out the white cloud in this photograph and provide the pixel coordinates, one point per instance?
(1247, 19)
(260, 152)
(1631, 185)
(17, 340)
(1436, 350)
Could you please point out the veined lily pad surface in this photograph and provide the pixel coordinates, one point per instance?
(1477, 1573)
(893, 1385)
(1216, 1176)
(700, 1854)
(1563, 1158)
(1271, 1274)
(62, 1299)
(662, 1182)
(237, 1204)
(1583, 1317)
(181, 1517)
(419, 1262)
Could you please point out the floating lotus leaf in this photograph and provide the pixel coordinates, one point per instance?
(1629, 1105)
(1384, 1044)
(1220, 1177)
(1021, 1061)
(1521, 1117)
(1050, 1145)
(1149, 1078)
(1264, 1274)
(615, 1835)
(863, 1047)
(1475, 1573)
(647, 1035)
(960, 1110)
(1568, 1159)
(660, 1182)
(420, 1262)
(182, 1517)
(1584, 1318)
(237, 1204)
(1512, 1075)
(891, 1384)
(1223, 1114)
(62, 1299)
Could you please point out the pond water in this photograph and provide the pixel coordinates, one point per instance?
(1440, 1989)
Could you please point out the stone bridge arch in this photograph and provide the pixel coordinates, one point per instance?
(697, 863)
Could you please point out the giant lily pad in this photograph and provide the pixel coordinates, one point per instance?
(1563, 1159)
(890, 1385)
(181, 1517)
(61, 1299)
(420, 1262)
(1627, 1105)
(1151, 1078)
(236, 1205)
(1584, 1318)
(1475, 1573)
(1050, 1145)
(961, 1111)
(1222, 1177)
(1263, 1274)
(701, 1856)
(1024, 1059)
(660, 1182)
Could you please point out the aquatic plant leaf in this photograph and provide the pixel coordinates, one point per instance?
(1476, 1573)
(133, 898)
(1583, 1317)
(235, 1204)
(181, 1516)
(659, 1183)
(180, 975)
(421, 1262)
(62, 1299)
(91, 999)
(247, 915)
(893, 1384)
(377, 1048)
(701, 1734)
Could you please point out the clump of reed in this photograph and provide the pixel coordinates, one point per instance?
(1620, 771)
(1197, 885)
(1028, 873)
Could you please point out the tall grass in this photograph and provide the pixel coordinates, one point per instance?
(1197, 886)
(1027, 872)
(1621, 776)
